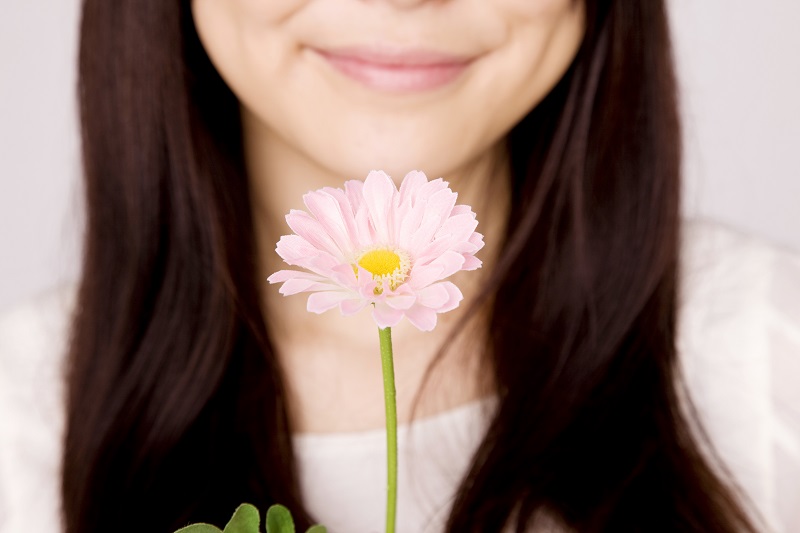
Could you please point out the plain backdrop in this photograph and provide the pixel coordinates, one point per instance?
(739, 74)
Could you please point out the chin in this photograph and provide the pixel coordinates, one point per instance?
(435, 154)
(396, 163)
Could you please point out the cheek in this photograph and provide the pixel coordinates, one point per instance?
(259, 11)
(245, 40)
(532, 8)
(542, 40)
(238, 33)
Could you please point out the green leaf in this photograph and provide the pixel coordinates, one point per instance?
(245, 519)
(279, 520)
(317, 529)
(199, 528)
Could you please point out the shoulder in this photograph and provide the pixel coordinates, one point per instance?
(736, 291)
(739, 343)
(739, 298)
(38, 327)
(33, 341)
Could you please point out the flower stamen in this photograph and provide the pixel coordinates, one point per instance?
(389, 267)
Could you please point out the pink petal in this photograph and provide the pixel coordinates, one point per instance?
(423, 234)
(379, 191)
(319, 302)
(294, 286)
(410, 219)
(322, 264)
(452, 236)
(283, 275)
(336, 223)
(351, 307)
(424, 275)
(422, 318)
(459, 226)
(312, 231)
(385, 316)
(460, 209)
(411, 184)
(344, 276)
(454, 297)
(437, 208)
(471, 263)
(366, 284)
(348, 211)
(464, 247)
(364, 229)
(401, 302)
(353, 189)
(293, 247)
(434, 296)
(442, 202)
(432, 187)
(437, 247)
(476, 238)
(449, 262)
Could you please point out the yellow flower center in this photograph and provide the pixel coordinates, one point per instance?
(380, 262)
(388, 267)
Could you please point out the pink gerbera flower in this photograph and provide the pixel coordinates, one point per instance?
(374, 244)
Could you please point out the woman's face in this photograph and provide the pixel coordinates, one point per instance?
(353, 85)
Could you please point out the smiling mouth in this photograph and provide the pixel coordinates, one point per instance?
(397, 70)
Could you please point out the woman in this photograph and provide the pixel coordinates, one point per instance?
(192, 387)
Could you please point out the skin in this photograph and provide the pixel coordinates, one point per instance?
(307, 126)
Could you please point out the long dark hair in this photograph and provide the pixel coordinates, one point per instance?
(175, 408)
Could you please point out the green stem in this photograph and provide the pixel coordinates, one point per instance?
(390, 398)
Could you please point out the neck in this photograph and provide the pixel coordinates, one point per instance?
(316, 349)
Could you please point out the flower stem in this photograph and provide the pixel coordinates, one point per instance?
(390, 398)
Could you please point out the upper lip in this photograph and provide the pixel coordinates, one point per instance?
(391, 56)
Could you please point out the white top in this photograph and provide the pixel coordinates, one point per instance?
(740, 346)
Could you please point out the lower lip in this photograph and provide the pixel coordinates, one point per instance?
(397, 78)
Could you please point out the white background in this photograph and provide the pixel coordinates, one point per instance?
(740, 75)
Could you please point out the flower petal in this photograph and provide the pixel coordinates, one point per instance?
(351, 307)
(424, 275)
(336, 222)
(294, 286)
(319, 302)
(411, 217)
(283, 275)
(410, 186)
(434, 296)
(460, 227)
(379, 191)
(313, 232)
(401, 302)
(353, 189)
(348, 211)
(344, 276)
(460, 209)
(385, 316)
(454, 297)
(422, 318)
(471, 263)
(449, 263)
(292, 248)
(366, 284)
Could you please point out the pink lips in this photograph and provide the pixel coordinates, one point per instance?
(397, 70)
